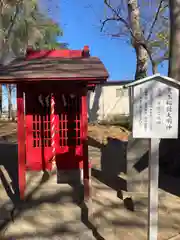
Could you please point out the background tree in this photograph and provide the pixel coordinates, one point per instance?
(144, 24)
(22, 23)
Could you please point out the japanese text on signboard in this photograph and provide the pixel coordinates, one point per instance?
(155, 110)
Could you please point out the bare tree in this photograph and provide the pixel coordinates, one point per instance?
(9, 92)
(132, 24)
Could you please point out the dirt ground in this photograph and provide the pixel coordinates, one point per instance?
(53, 211)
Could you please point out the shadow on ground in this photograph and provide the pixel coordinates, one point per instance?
(15, 209)
(169, 180)
(114, 162)
(8, 160)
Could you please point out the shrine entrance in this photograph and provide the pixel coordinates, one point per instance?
(68, 128)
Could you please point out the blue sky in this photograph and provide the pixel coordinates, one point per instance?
(80, 21)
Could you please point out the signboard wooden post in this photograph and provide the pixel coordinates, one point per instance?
(155, 116)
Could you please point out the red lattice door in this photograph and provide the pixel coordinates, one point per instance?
(38, 131)
(68, 131)
(69, 149)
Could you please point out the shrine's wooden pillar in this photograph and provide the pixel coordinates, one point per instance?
(21, 141)
(86, 165)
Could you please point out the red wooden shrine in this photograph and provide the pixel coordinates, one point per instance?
(63, 75)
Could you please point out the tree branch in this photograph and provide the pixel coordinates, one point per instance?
(12, 23)
(155, 20)
(116, 19)
(143, 42)
(10, 28)
(119, 18)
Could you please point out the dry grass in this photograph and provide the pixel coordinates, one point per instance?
(100, 133)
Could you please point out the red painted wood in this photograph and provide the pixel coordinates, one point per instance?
(65, 53)
(37, 125)
(85, 146)
(71, 124)
(68, 120)
(69, 146)
(31, 154)
(21, 141)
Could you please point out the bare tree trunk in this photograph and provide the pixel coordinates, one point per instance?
(9, 90)
(141, 62)
(141, 53)
(169, 149)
